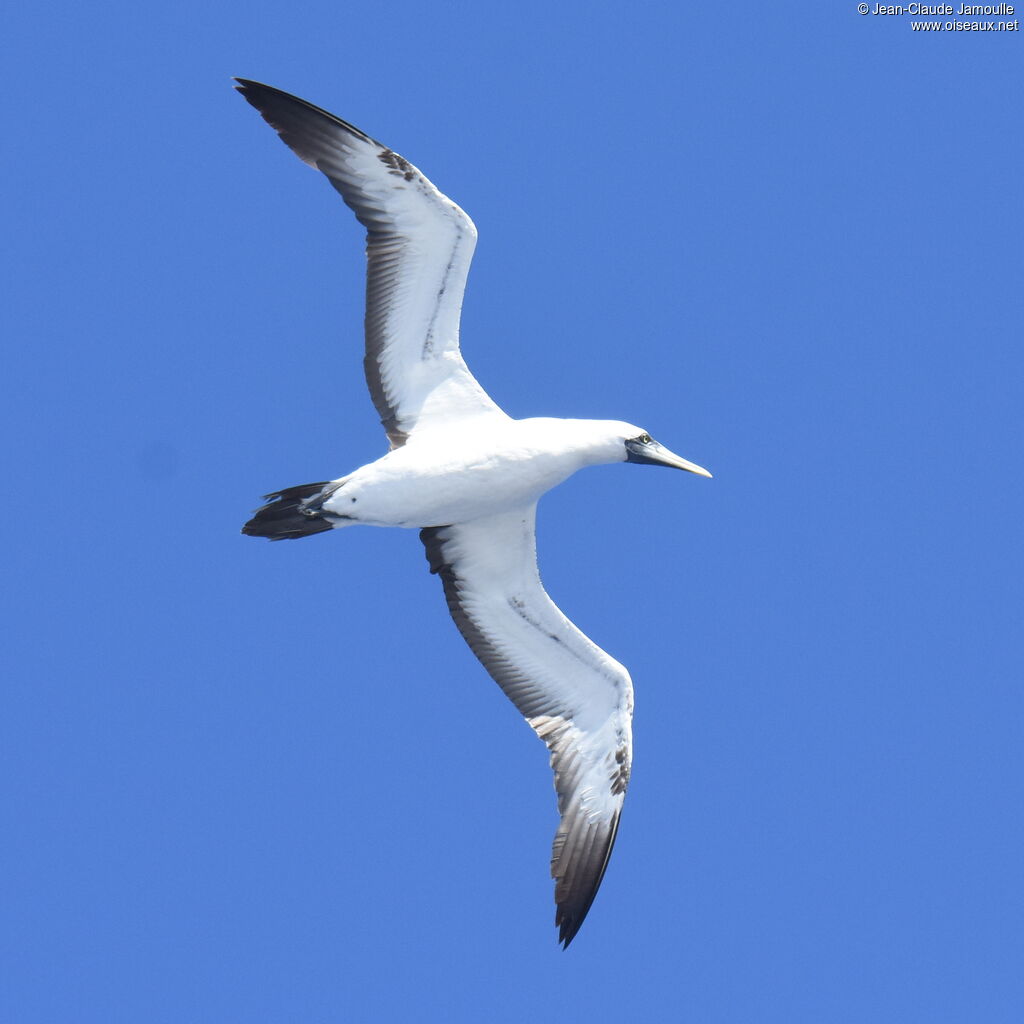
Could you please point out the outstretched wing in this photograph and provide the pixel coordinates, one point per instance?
(419, 245)
(578, 699)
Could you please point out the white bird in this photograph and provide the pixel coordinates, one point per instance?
(468, 476)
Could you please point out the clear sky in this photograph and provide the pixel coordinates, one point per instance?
(252, 782)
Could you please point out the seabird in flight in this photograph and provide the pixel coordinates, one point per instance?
(468, 477)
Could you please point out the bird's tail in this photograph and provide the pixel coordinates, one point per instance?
(294, 512)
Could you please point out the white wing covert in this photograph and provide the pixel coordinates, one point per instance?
(576, 697)
(419, 246)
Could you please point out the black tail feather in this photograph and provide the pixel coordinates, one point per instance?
(289, 514)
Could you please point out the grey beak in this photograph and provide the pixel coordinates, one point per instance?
(654, 454)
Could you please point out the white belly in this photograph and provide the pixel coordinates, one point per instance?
(454, 477)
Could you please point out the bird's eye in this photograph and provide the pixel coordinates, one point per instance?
(645, 439)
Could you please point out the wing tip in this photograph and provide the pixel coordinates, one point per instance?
(272, 103)
(568, 928)
(582, 876)
(571, 914)
(248, 86)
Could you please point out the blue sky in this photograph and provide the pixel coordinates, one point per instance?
(269, 783)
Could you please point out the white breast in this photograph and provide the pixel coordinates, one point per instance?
(453, 476)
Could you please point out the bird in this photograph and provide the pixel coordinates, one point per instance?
(468, 476)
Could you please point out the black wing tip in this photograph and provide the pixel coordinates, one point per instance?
(571, 914)
(574, 906)
(265, 97)
(251, 89)
(244, 85)
(568, 928)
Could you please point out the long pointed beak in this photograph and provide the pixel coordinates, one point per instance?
(654, 454)
(667, 458)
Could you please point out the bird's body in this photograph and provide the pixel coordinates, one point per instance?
(454, 474)
(468, 476)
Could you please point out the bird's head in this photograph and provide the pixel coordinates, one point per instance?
(599, 442)
(639, 446)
